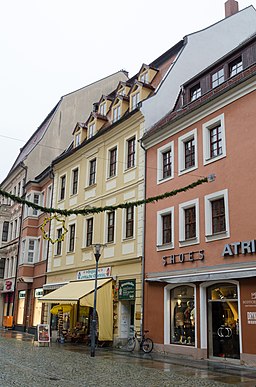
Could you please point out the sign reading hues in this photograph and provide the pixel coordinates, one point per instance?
(126, 290)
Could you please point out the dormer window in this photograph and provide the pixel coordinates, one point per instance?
(144, 77)
(77, 139)
(195, 92)
(135, 99)
(103, 109)
(236, 66)
(116, 113)
(91, 130)
(121, 91)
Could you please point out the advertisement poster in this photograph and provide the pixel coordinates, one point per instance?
(43, 333)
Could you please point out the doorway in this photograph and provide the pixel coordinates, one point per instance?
(223, 321)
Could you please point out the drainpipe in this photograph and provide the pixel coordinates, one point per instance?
(143, 238)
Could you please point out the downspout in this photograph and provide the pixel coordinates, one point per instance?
(19, 241)
(143, 238)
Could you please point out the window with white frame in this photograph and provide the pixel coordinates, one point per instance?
(49, 196)
(103, 108)
(77, 139)
(5, 231)
(165, 162)
(135, 99)
(165, 229)
(189, 223)
(116, 113)
(89, 231)
(236, 66)
(112, 162)
(74, 187)
(216, 216)
(195, 92)
(110, 226)
(36, 200)
(187, 145)
(92, 172)
(23, 251)
(62, 187)
(32, 250)
(218, 78)
(214, 139)
(91, 130)
(130, 146)
(59, 241)
(144, 77)
(71, 242)
(129, 222)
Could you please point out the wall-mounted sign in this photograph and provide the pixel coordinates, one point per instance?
(236, 248)
(184, 257)
(103, 272)
(251, 318)
(8, 286)
(127, 290)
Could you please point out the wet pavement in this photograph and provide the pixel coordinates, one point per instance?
(22, 363)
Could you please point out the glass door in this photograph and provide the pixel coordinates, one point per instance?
(223, 321)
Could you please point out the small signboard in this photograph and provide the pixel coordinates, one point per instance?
(43, 333)
(126, 290)
(103, 272)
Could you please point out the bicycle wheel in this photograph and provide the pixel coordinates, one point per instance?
(131, 343)
(147, 345)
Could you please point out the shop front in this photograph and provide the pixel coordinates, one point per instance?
(8, 299)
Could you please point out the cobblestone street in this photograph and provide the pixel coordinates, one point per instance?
(25, 364)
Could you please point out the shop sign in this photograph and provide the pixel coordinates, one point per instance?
(38, 293)
(236, 248)
(43, 333)
(8, 286)
(126, 290)
(251, 318)
(103, 272)
(184, 257)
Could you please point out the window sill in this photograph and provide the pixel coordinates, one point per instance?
(90, 187)
(217, 236)
(168, 246)
(209, 160)
(163, 180)
(187, 170)
(188, 242)
(128, 169)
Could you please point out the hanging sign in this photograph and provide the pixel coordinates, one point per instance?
(126, 290)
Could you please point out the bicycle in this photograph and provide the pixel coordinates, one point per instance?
(146, 344)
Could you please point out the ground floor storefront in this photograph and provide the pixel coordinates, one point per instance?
(214, 318)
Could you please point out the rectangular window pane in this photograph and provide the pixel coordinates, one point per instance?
(89, 232)
(215, 141)
(129, 222)
(92, 172)
(131, 153)
(111, 226)
(75, 181)
(190, 222)
(62, 187)
(59, 242)
(189, 153)
(167, 164)
(72, 237)
(112, 164)
(5, 232)
(218, 216)
(167, 228)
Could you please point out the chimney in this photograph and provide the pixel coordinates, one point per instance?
(231, 7)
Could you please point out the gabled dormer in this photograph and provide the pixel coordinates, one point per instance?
(138, 93)
(147, 74)
(104, 105)
(119, 107)
(79, 134)
(123, 88)
(94, 124)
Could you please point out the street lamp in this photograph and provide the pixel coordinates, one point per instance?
(97, 254)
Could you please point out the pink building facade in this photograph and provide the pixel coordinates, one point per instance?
(200, 248)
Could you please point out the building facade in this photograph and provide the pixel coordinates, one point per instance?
(200, 261)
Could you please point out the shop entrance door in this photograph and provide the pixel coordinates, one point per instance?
(223, 322)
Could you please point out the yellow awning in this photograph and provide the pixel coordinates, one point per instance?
(73, 291)
(83, 291)
(62, 307)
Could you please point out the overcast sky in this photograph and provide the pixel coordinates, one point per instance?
(52, 47)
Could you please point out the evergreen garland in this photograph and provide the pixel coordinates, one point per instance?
(97, 210)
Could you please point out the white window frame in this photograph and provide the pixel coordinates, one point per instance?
(65, 188)
(117, 112)
(159, 242)
(49, 196)
(160, 151)
(77, 139)
(218, 78)
(103, 108)
(108, 163)
(207, 126)
(135, 99)
(126, 141)
(181, 149)
(209, 236)
(124, 213)
(106, 227)
(91, 130)
(72, 181)
(68, 239)
(89, 169)
(182, 208)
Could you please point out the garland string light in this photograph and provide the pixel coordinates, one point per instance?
(97, 210)
(45, 235)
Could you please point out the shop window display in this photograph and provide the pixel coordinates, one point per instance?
(183, 316)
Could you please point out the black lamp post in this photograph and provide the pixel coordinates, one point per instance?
(97, 254)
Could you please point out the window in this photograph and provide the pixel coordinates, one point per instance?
(103, 109)
(31, 250)
(216, 216)
(116, 113)
(35, 201)
(19, 185)
(59, 242)
(112, 162)
(214, 142)
(144, 77)
(92, 172)
(165, 165)
(195, 92)
(62, 187)
(89, 232)
(110, 226)
(131, 153)
(49, 196)
(129, 222)
(37, 307)
(91, 130)
(217, 78)
(236, 66)
(23, 250)
(21, 307)
(72, 229)
(165, 229)
(135, 100)
(187, 145)
(183, 316)
(77, 139)
(74, 181)
(5, 232)
(189, 223)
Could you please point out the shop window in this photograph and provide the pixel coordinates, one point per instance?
(37, 307)
(21, 306)
(183, 316)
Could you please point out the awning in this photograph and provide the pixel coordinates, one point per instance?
(62, 307)
(83, 291)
